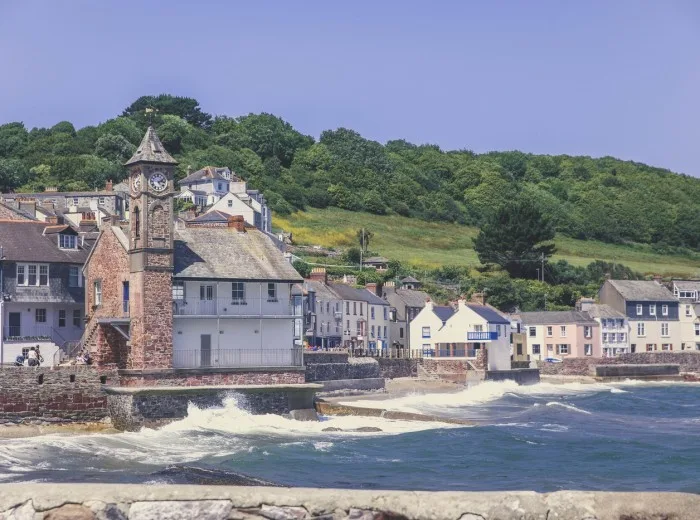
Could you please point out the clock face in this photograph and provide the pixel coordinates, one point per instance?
(136, 182)
(158, 181)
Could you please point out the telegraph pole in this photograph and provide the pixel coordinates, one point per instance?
(542, 260)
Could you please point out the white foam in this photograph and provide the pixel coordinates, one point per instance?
(323, 446)
(568, 407)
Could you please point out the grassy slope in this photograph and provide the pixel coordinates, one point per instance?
(426, 244)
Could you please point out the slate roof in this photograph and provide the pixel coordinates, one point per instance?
(208, 172)
(151, 150)
(409, 279)
(642, 290)
(443, 312)
(489, 314)
(211, 216)
(600, 310)
(555, 318)
(375, 260)
(687, 285)
(25, 241)
(345, 292)
(209, 253)
(323, 292)
(409, 297)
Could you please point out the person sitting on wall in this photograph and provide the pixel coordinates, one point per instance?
(33, 358)
(19, 360)
(39, 357)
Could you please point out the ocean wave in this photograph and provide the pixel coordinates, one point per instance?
(568, 407)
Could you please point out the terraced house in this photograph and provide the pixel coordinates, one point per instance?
(688, 294)
(559, 334)
(651, 310)
(42, 288)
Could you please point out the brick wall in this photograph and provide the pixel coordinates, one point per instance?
(392, 368)
(151, 327)
(61, 394)
(688, 361)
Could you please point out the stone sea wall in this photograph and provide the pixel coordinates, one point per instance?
(393, 368)
(53, 395)
(212, 376)
(689, 361)
(135, 502)
(344, 368)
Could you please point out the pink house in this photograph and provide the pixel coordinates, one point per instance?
(561, 334)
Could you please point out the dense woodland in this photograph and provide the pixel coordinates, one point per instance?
(605, 199)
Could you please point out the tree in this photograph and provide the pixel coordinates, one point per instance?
(302, 268)
(12, 174)
(114, 148)
(363, 237)
(166, 104)
(515, 238)
(353, 255)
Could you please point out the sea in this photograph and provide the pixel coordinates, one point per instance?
(630, 436)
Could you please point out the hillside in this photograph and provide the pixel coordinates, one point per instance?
(433, 244)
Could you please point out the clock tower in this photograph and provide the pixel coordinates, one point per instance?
(151, 171)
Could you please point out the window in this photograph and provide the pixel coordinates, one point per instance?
(652, 309)
(347, 307)
(401, 332)
(633, 347)
(372, 329)
(97, 288)
(21, 275)
(328, 307)
(651, 347)
(238, 292)
(372, 312)
(426, 332)
(67, 241)
(532, 332)
(535, 349)
(31, 277)
(178, 290)
(605, 337)
(76, 318)
(550, 347)
(563, 331)
(220, 186)
(550, 331)
(348, 328)
(40, 315)
(640, 329)
(664, 330)
(639, 309)
(74, 278)
(75, 201)
(61, 318)
(354, 308)
(43, 274)
(206, 292)
(230, 203)
(588, 349)
(385, 335)
(386, 313)
(563, 349)
(621, 337)
(664, 310)
(687, 311)
(666, 346)
(271, 292)
(697, 329)
(362, 306)
(137, 223)
(101, 200)
(587, 331)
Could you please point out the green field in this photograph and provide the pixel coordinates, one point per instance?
(431, 244)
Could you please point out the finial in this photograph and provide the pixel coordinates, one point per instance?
(149, 111)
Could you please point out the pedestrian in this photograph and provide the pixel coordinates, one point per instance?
(39, 357)
(32, 357)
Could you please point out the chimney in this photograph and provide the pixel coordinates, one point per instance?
(390, 284)
(51, 189)
(108, 185)
(47, 203)
(584, 304)
(238, 222)
(53, 219)
(319, 274)
(429, 303)
(371, 287)
(478, 297)
(658, 278)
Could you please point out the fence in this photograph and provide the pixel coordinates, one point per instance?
(233, 358)
(235, 307)
(389, 353)
(23, 332)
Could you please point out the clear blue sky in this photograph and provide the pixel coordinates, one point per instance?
(615, 77)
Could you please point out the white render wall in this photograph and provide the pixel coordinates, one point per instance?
(255, 298)
(238, 207)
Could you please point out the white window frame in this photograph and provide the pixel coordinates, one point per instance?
(605, 336)
(40, 270)
(536, 346)
(562, 331)
(67, 241)
(531, 332)
(652, 309)
(230, 203)
(238, 292)
(178, 290)
(563, 348)
(697, 329)
(61, 316)
(75, 278)
(664, 330)
(40, 315)
(640, 309)
(587, 331)
(425, 332)
(97, 292)
(664, 310)
(588, 349)
(77, 318)
(688, 314)
(101, 201)
(641, 330)
(271, 292)
(550, 331)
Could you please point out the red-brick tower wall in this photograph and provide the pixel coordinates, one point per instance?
(151, 256)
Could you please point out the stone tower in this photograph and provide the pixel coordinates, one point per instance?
(151, 172)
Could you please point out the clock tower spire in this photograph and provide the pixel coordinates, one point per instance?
(151, 216)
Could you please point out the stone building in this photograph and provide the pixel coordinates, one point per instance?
(164, 298)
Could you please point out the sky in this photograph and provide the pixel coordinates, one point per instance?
(619, 78)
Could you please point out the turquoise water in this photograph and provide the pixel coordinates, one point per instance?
(627, 437)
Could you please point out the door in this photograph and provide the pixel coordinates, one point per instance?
(205, 350)
(14, 328)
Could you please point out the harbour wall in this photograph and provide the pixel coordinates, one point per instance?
(329, 366)
(522, 376)
(688, 361)
(136, 502)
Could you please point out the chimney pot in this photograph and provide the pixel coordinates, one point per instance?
(108, 185)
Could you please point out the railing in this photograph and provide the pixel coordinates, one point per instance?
(457, 352)
(482, 336)
(24, 333)
(248, 307)
(234, 357)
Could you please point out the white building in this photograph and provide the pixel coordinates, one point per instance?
(688, 294)
(614, 328)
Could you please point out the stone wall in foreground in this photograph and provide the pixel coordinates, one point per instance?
(135, 502)
(53, 395)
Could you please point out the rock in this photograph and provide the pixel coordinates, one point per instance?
(23, 512)
(366, 429)
(307, 414)
(332, 429)
(176, 510)
(70, 512)
(361, 514)
(283, 513)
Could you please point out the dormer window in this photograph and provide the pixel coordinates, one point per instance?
(67, 241)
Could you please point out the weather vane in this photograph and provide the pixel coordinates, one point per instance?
(150, 111)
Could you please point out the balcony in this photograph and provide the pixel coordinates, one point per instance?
(28, 333)
(236, 357)
(482, 336)
(229, 308)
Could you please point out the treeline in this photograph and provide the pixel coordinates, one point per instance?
(605, 199)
